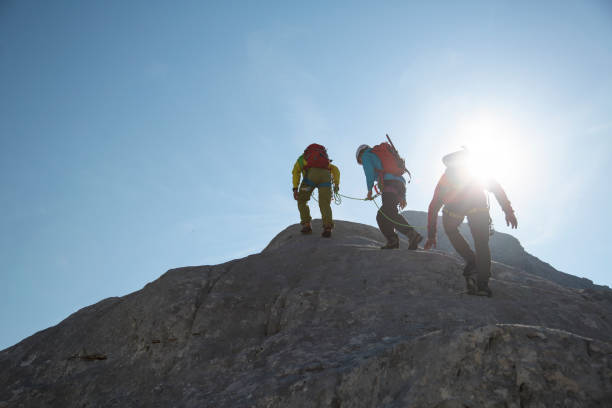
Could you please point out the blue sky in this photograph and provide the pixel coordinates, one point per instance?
(141, 136)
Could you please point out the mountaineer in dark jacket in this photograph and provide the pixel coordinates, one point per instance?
(463, 195)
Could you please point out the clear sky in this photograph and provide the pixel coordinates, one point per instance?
(146, 135)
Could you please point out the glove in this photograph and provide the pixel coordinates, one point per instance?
(295, 193)
(511, 219)
(430, 243)
(336, 189)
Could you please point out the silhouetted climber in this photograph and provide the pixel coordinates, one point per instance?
(382, 164)
(462, 194)
(317, 171)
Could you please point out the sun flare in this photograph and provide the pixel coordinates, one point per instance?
(493, 144)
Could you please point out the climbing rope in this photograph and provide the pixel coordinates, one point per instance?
(393, 221)
(338, 200)
(381, 211)
(355, 198)
(337, 197)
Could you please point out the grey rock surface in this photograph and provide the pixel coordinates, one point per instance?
(315, 322)
(505, 249)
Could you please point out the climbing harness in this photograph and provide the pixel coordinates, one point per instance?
(313, 184)
(474, 211)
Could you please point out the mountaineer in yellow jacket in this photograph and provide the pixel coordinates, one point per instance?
(316, 171)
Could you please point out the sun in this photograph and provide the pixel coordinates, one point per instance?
(494, 145)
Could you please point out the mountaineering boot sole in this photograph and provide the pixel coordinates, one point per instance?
(483, 290)
(326, 233)
(391, 245)
(306, 229)
(414, 242)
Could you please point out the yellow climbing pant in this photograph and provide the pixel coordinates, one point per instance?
(321, 179)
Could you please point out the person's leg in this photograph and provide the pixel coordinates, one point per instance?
(325, 196)
(304, 194)
(384, 218)
(451, 225)
(399, 223)
(322, 178)
(402, 225)
(479, 225)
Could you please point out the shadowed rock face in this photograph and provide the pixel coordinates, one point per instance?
(315, 322)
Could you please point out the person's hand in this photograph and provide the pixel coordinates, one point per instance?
(369, 197)
(295, 193)
(336, 189)
(430, 243)
(402, 203)
(511, 219)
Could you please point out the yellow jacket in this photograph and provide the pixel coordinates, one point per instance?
(298, 171)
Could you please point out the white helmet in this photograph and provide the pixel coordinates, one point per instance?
(458, 158)
(359, 150)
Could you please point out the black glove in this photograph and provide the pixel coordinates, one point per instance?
(295, 193)
(336, 189)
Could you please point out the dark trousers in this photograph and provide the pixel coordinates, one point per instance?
(479, 226)
(388, 217)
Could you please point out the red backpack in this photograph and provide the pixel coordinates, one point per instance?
(316, 156)
(390, 160)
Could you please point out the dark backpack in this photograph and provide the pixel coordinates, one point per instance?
(391, 161)
(316, 156)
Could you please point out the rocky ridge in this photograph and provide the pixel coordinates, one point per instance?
(314, 322)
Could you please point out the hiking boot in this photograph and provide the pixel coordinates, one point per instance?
(469, 273)
(393, 244)
(469, 268)
(471, 284)
(306, 228)
(414, 241)
(326, 232)
(483, 290)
